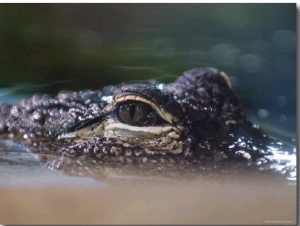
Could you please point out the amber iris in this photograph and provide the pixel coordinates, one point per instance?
(137, 113)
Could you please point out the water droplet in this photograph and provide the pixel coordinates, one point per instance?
(282, 118)
(225, 54)
(160, 86)
(281, 100)
(263, 113)
(250, 63)
(107, 99)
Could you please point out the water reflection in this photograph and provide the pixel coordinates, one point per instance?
(282, 161)
(94, 45)
(281, 164)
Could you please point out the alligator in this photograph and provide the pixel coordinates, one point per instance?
(192, 121)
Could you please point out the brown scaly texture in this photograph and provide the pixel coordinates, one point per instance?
(216, 126)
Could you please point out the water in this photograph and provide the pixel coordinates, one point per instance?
(47, 48)
(32, 193)
(226, 193)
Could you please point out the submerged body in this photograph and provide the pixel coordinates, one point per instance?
(196, 119)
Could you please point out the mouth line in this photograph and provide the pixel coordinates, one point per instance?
(86, 123)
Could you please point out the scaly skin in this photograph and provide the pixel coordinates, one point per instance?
(202, 112)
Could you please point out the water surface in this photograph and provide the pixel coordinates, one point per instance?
(46, 48)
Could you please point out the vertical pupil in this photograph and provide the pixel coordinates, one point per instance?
(137, 114)
(131, 110)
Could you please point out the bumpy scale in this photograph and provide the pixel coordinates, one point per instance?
(196, 118)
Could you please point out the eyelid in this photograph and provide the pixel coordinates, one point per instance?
(163, 114)
(143, 116)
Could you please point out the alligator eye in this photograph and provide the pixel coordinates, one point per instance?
(137, 113)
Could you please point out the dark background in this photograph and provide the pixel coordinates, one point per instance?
(45, 48)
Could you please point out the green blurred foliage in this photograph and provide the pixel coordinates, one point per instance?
(86, 46)
(112, 42)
